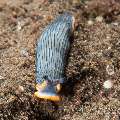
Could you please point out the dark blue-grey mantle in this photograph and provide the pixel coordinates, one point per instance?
(52, 49)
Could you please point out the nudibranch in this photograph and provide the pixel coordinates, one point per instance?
(51, 55)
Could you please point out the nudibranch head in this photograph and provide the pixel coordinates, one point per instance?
(47, 90)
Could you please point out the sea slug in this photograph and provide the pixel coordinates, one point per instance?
(51, 55)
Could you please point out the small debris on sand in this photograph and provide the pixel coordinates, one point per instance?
(110, 69)
(24, 52)
(90, 22)
(99, 18)
(108, 84)
(1, 77)
(20, 88)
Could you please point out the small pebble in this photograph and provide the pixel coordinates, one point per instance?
(110, 69)
(107, 84)
(48, 18)
(22, 23)
(108, 37)
(19, 26)
(24, 52)
(109, 48)
(99, 18)
(115, 23)
(11, 99)
(90, 22)
(20, 88)
(1, 77)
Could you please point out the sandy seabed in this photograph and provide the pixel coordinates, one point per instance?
(94, 58)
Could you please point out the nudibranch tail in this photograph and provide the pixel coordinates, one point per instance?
(68, 18)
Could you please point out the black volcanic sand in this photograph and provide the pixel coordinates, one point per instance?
(94, 58)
